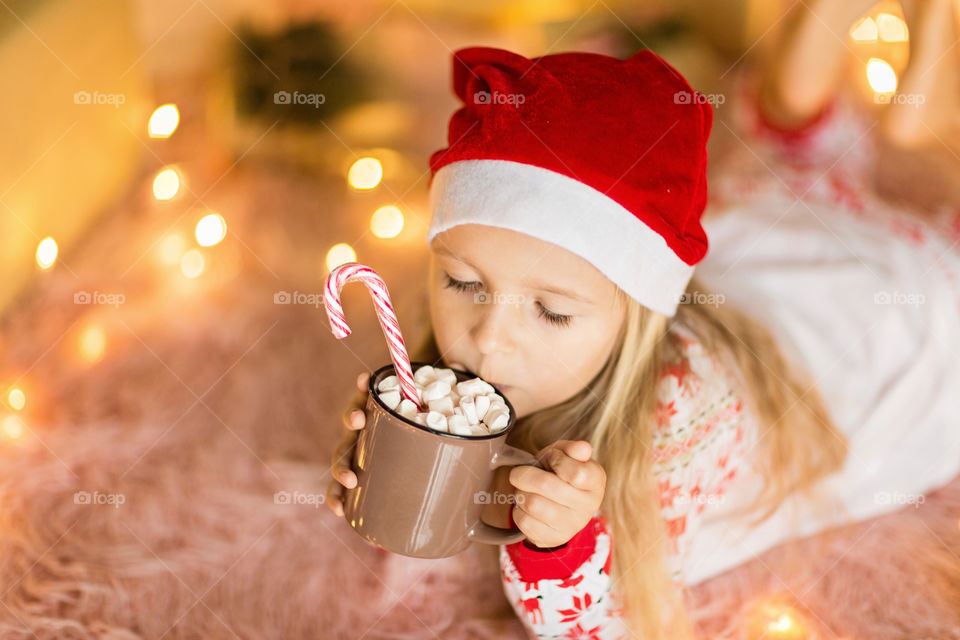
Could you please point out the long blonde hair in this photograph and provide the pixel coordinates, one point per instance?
(615, 412)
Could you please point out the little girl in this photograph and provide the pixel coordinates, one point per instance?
(566, 224)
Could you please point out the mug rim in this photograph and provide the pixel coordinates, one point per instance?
(375, 395)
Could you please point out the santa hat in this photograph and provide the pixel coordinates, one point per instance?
(601, 156)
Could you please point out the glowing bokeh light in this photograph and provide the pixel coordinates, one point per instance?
(16, 399)
(171, 248)
(11, 428)
(339, 254)
(881, 76)
(166, 184)
(164, 121)
(192, 263)
(864, 31)
(365, 173)
(92, 343)
(386, 222)
(46, 252)
(891, 28)
(211, 229)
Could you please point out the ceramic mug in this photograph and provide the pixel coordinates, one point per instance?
(420, 492)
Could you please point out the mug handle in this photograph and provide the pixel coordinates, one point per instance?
(485, 533)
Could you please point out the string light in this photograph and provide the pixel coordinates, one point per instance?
(339, 254)
(166, 184)
(192, 263)
(16, 399)
(365, 173)
(891, 28)
(46, 253)
(210, 230)
(164, 121)
(386, 222)
(864, 31)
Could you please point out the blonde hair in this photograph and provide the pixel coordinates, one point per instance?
(798, 442)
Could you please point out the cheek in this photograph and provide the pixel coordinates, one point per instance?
(569, 361)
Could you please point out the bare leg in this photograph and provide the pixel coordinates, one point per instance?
(931, 75)
(809, 59)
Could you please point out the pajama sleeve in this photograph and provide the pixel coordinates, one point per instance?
(566, 592)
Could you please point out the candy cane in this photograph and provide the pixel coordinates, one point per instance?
(385, 314)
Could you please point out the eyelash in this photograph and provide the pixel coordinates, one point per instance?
(553, 318)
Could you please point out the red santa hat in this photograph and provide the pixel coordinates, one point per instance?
(601, 156)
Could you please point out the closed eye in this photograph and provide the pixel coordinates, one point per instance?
(556, 319)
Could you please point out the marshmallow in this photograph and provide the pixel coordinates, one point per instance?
(469, 408)
(447, 375)
(459, 426)
(479, 430)
(496, 419)
(474, 387)
(436, 390)
(436, 420)
(391, 398)
(424, 375)
(482, 403)
(390, 382)
(442, 405)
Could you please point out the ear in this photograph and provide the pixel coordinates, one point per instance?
(488, 69)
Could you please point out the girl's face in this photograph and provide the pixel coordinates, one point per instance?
(522, 313)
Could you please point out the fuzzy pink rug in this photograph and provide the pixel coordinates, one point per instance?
(210, 398)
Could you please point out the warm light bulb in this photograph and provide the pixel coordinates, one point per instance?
(340, 254)
(210, 230)
(365, 173)
(92, 343)
(881, 76)
(192, 263)
(16, 399)
(46, 253)
(164, 121)
(386, 222)
(166, 184)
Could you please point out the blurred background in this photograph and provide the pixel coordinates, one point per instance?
(176, 181)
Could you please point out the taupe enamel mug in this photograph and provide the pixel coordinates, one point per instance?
(420, 492)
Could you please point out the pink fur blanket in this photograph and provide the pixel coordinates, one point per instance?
(210, 398)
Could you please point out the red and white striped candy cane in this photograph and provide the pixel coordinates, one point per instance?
(385, 314)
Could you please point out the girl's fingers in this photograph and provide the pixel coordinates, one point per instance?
(333, 498)
(340, 465)
(363, 380)
(354, 419)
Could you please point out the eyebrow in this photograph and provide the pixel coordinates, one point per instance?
(540, 286)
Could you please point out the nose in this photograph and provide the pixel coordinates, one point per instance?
(492, 331)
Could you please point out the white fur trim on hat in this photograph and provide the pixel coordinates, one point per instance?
(566, 212)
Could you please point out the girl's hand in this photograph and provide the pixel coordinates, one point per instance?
(354, 419)
(552, 506)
